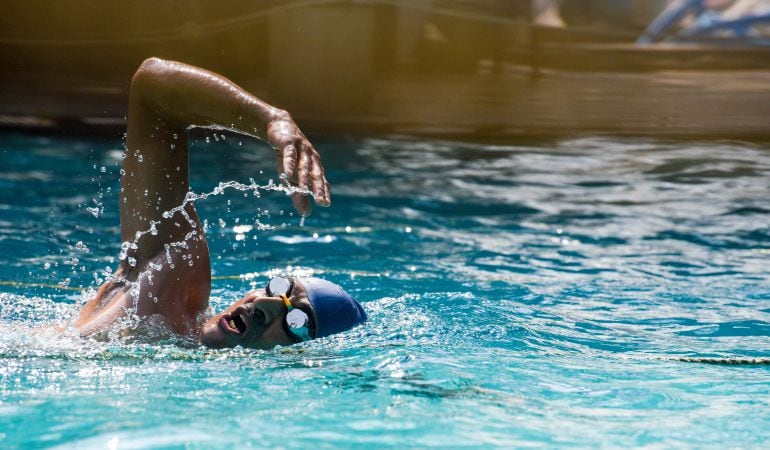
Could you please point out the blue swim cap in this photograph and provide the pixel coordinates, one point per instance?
(335, 309)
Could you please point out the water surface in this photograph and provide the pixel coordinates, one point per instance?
(545, 294)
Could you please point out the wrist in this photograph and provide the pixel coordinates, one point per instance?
(279, 123)
(277, 114)
(256, 117)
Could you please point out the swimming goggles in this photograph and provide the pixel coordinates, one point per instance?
(297, 321)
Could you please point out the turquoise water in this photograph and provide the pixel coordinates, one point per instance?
(541, 294)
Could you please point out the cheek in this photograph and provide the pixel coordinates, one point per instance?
(275, 335)
(212, 321)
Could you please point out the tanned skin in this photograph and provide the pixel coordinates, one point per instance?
(167, 98)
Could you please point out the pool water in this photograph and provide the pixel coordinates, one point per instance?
(575, 293)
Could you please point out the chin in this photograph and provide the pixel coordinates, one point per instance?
(213, 337)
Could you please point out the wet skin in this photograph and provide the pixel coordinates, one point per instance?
(166, 98)
(255, 321)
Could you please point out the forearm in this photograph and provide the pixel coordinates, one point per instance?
(184, 95)
(166, 98)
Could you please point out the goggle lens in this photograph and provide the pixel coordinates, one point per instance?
(297, 320)
(278, 287)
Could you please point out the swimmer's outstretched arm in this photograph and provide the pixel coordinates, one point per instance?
(166, 99)
(185, 95)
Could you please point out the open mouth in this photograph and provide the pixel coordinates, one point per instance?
(233, 323)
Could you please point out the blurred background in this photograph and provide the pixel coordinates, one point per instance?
(484, 69)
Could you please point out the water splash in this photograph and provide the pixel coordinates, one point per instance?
(503, 334)
(132, 320)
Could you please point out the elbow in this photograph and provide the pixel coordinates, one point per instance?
(147, 74)
(151, 63)
(146, 71)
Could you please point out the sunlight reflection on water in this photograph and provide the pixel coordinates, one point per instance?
(518, 295)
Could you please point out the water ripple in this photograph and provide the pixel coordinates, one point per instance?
(549, 294)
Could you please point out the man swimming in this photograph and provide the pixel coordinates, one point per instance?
(165, 272)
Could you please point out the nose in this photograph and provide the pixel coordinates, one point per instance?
(263, 310)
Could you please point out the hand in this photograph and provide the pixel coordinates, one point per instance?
(300, 163)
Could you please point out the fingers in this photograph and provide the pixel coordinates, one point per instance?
(301, 203)
(300, 163)
(294, 167)
(289, 161)
(303, 170)
(309, 175)
(320, 185)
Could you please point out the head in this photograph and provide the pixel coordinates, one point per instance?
(259, 319)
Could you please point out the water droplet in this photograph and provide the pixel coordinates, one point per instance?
(95, 211)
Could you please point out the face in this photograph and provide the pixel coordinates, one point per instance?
(255, 321)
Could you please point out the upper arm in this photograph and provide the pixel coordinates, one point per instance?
(155, 174)
(166, 98)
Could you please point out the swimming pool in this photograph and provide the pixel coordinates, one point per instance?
(540, 294)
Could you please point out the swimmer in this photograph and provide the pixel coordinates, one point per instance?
(166, 275)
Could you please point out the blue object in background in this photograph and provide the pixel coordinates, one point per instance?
(705, 27)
